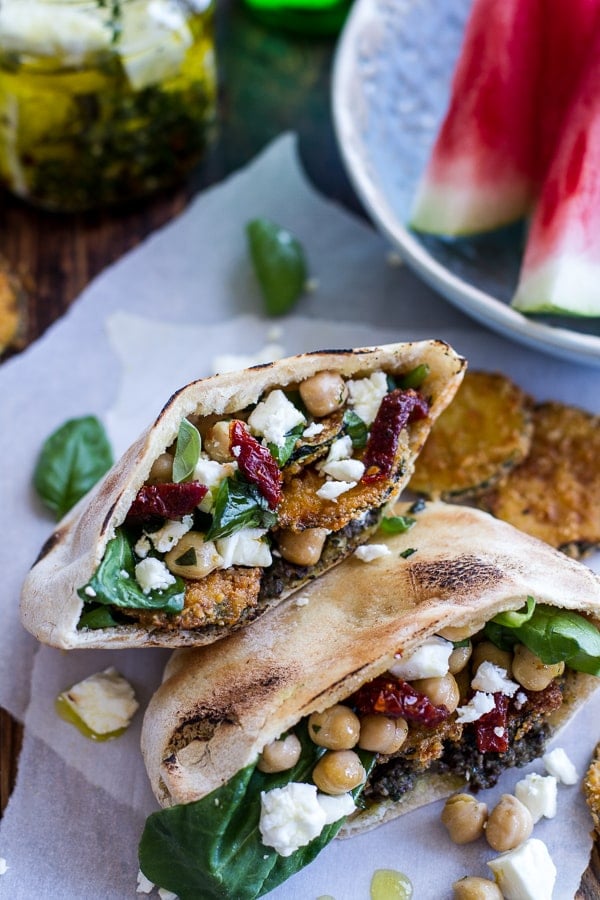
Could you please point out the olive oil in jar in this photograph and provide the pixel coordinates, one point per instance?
(103, 100)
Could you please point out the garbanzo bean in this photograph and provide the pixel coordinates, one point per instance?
(280, 755)
(464, 818)
(459, 658)
(162, 469)
(193, 557)
(323, 393)
(486, 651)
(441, 691)
(303, 548)
(217, 442)
(531, 672)
(474, 888)
(458, 632)
(338, 771)
(382, 734)
(509, 824)
(337, 728)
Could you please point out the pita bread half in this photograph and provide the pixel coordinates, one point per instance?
(51, 603)
(217, 708)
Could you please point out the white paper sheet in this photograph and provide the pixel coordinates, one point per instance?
(148, 324)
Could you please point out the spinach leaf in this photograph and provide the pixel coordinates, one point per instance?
(72, 459)
(281, 454)
(212, 848)
(555, 635)
(96, 617)
(238, 505)
(414, 378)
(187, 451)
(396, 524)
(114, 582)
(514, 618)
(356, 428)
(279, 263)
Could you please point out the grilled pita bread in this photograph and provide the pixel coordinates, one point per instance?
(60, 587)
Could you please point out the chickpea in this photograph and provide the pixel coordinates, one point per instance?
(323, 393)
(162, 469)
(381, 734)
(280, 755)
(474, 888)
(338, 771)
(459, 658)
(303, 548)
(199, 557)
(441, 691)
(459, 632)
(463, 680)
(531, 672)
(509, 824)
(464, 818)
(337, 728)
(486, 651)
(217, 442)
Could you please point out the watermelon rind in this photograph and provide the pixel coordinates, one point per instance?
(565, 285)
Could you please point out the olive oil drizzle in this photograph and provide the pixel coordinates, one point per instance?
(69, 715)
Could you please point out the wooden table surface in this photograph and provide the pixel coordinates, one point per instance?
(269, 83)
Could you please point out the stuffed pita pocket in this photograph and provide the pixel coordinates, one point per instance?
(246, 486)
(397, 662)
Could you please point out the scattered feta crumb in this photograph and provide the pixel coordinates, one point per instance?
(232, 362)
(526, 873)
(124, 573)
(499, 731)
(557, 763)
(244, 548)
(313, 429)
(143, 547)
(430, 660)
(165, 538)
(217, 801)
(144, 885)
(480, 704)
(152, 575)
(336, 807)
(493, 679)
(520, 699)
(302, 601)
(345, 469)
(290, 817)
(369, 552)
(3, 866)
(274, 416)
(89, 591)
(365, 395)
(394, 259)
(105, 702)
(340, 449)
(311, 285)
(164, 894)
(538, 793)
(331, 490)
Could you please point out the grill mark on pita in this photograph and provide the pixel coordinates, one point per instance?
(454, 578)
(49, 545)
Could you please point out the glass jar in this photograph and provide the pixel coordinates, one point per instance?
(103, 100)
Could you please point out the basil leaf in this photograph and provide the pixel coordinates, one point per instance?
(282, 453)
(408, 552)
(279, 263)
(187, 451)
(238, 505)
(72, 459)
(114, 582)
(414, 378)
(97, 617)
(396, 524)
(356, 428)
(212, 848)
(514, 618)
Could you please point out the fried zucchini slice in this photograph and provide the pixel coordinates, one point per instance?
(483, 434)
(591, 788)
(554, 494)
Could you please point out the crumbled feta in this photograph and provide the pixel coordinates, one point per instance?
(165, 538)
(365, 395)
(164, 894)
(105, 702)
(211, 473)
(526, 873)
(369, 552)
(89, 591)
(331, 490)
(520, 700)
(313, 429)
(345, 469)
(538, 793)
(3, 866)
(493, 679)
(557, 763)
(245, 548)
(152, 575)
(336, 807)
(124, 574)
(290, 817)
(478, 706)
(273, 417)
(499, 731)
(142, 547)
(430, 660)
(144, 885)
(27, 26)
(340, 449)
(232, 362)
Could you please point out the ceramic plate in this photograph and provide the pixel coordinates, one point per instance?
(391, 79)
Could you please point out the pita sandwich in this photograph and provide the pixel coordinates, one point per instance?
(246, 486)
(514, 623)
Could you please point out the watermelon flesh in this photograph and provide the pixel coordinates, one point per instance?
(482, 170)
(561, 267)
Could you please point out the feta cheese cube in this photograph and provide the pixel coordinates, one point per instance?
(478, 706)
(273, 417)
(369, 552)
(152, 575)
(365, 395)
(492, 679)
(290, 817)
(345, 469)
(144, 885)
(142, 547)
(244, 548)
(340, 449)
(538, 793)
(165, 538)
(526, 873)
(557, 763)
(164, 894)
(331, 490)
(105, 702)
(313, 430)
(336, 807)
(430, 660)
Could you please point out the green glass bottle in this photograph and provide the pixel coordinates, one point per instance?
(309, 17)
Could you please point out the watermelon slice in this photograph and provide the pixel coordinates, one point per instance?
(482, 171)
(561, 267)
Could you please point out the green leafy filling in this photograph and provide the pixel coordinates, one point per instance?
(356, 428)
(281, 453)
(187, 452)
(396, 524)
(239, 504)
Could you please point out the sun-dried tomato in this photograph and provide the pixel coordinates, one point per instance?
(492, 736)
(256, 463)
(166, 501)
(396, 410)
(396, 698)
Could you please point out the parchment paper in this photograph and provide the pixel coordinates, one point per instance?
(153, 321)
